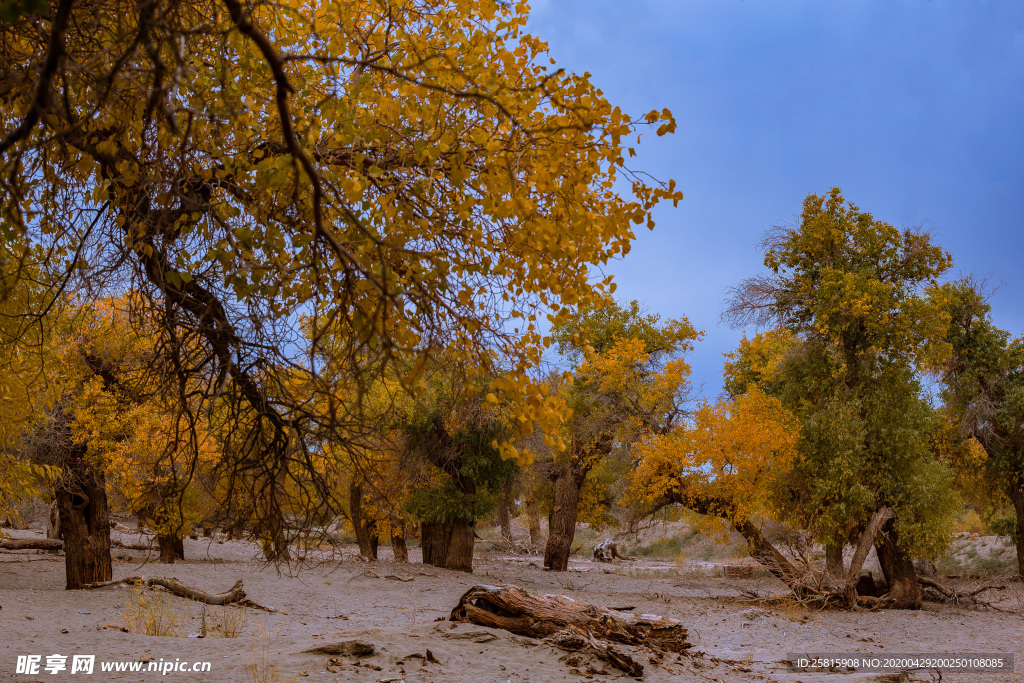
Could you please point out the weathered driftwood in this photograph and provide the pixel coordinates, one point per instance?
(31, 544)
(236, 595)
(608, 550)
(513, 609)
(576, 639)
(967, 597)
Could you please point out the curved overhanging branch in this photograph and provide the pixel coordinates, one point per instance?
(54, 53)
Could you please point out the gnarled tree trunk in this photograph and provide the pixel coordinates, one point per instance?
(568, 480)
(84, 520)
(904, 589)
(448, 545)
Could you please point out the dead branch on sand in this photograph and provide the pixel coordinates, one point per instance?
(234, 596)
(965, 597)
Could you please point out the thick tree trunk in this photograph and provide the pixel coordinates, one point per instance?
(398, 546)
(505, 511)
(1018, 507)
(84, 521)
(448, 545)
(568, 481)
(504, 522)
(171, 549)
(834, 560)
(901, 577)
(365, 530)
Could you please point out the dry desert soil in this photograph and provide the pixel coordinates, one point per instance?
(402, 610)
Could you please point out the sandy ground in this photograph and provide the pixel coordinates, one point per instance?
(350, 600)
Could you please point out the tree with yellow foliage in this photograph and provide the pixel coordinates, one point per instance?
(730, 463)
(414, 175)
(629, 379)
(860, 321)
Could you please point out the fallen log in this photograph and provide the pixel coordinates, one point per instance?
(32, 544)
(236, 595)
(513, 609)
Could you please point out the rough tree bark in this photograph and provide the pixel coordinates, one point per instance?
(365, 529)
(84, 520)
(1018, 507)
(398, 545)
(834, 559)
(904, 589)
(568, 480)
(448, 545)
(171, 548)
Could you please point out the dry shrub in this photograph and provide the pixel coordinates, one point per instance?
(260, 667)
(151, 614)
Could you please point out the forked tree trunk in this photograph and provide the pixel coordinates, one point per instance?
(568, 481)
(448, 545)
(853, 582)
(84, 521)
(171, 549)
(1018, 507)
(901, 577)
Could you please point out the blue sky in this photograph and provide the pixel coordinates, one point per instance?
(915, 109)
